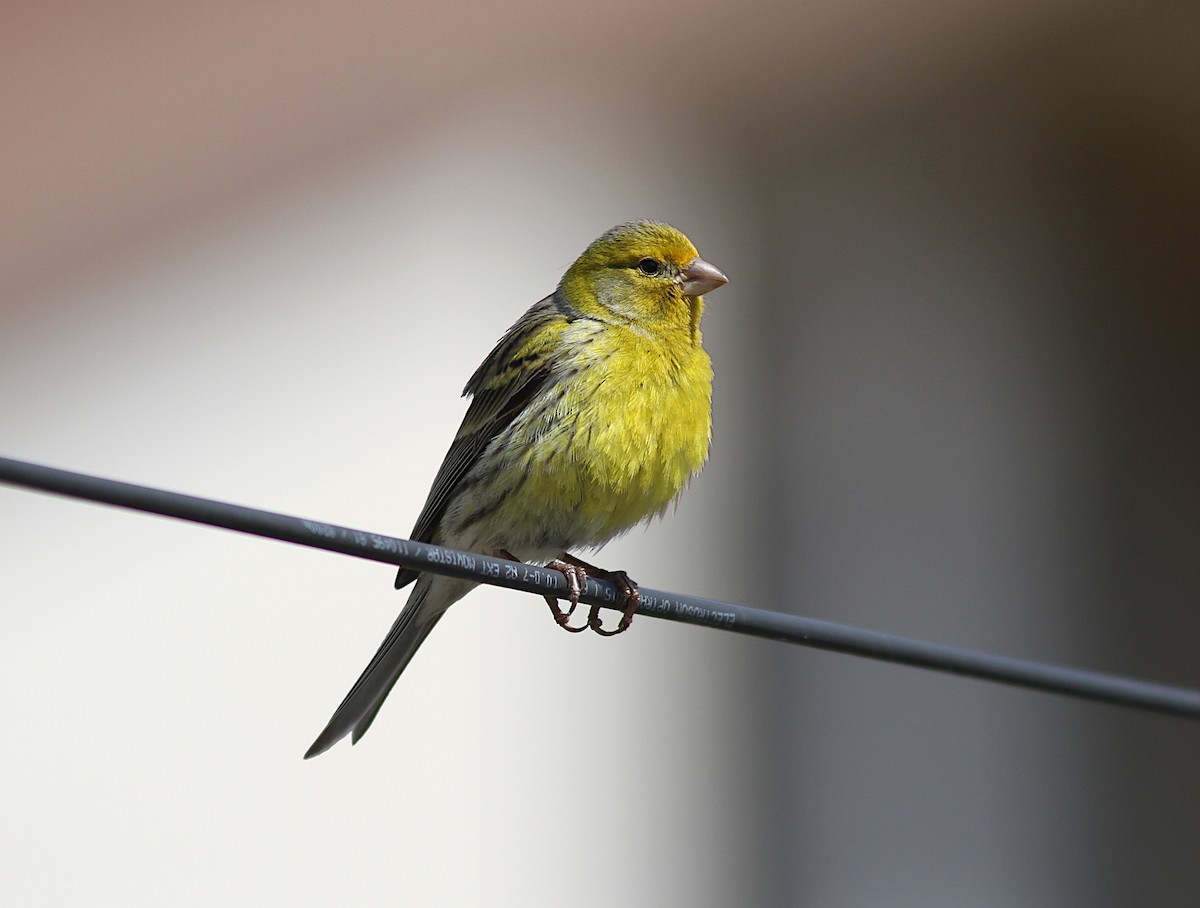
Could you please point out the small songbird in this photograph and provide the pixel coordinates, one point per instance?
(590, 416)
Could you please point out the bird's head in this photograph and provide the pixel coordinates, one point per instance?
(642, 274)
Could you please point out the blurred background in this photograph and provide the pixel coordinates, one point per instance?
(253, 250)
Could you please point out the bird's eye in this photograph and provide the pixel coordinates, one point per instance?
(650, 266)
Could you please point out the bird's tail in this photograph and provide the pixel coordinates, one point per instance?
(428, 601)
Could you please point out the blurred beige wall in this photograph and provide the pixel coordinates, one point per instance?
(253, 251)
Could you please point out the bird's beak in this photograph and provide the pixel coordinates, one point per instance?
(700, 277)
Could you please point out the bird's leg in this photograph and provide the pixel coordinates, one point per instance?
(627, 595)
(576, 582)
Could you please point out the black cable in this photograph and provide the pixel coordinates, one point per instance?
(672, 606)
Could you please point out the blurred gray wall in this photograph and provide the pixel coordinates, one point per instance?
(985, 398)
(253, 250)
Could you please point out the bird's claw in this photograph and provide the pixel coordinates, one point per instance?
(628, 596)
(576, 583)
(576, 572)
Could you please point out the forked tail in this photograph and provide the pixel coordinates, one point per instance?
(427, 603)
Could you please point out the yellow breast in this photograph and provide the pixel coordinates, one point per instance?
(632, 427)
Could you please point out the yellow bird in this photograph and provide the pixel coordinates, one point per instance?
(590, 416)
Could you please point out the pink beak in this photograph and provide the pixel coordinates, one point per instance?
(700, 277)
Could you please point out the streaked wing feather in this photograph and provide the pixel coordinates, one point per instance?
(508, 379)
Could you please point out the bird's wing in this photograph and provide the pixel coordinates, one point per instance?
(517, 370)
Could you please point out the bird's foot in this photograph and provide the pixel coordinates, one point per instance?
(576, 575)
(577, 572)
(627, 595)
(576, 583)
